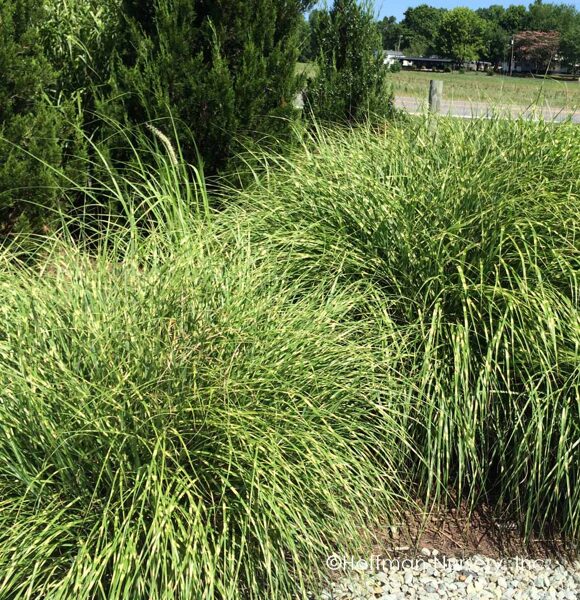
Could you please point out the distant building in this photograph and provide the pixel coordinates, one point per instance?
(417, 62)
(390, 57)
(429, 62)
(478, 65)
(521, 66)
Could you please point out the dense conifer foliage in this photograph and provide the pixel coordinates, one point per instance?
(351, 84)
(214, 71)
(28, 124)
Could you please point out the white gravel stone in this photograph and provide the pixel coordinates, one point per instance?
(432, 576)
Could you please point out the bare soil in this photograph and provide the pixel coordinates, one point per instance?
(456, 532)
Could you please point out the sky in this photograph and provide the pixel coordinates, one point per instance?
(396, 8)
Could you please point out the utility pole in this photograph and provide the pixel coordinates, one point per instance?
(399, 42)
(512, 56)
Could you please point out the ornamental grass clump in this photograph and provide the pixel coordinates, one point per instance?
(178, 419)
(202, 404)
(471, 238)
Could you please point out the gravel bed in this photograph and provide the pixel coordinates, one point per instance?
(432, 576)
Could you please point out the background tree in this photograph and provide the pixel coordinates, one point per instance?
(351, 84)
(461, 35)
(495, 37)
(395, 35)
(570, 46)
(29, 125)
(419, 31)
(493, 14)
(537, 48)
(514, 18)
(495, 44)
(549, 17)
(422, 23)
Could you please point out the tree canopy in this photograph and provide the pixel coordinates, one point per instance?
(537, 47)
(483, 34)
(461, 35)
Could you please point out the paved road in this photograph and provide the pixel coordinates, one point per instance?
(469, 110)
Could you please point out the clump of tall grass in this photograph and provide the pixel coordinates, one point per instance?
(180, 419)
(204, 405)
(471, 237)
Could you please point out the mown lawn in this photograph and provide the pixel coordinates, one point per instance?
(308, 69)
(497, 89)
